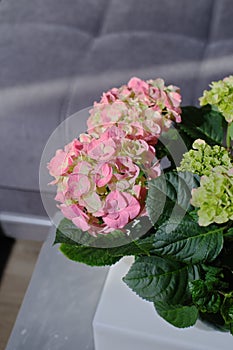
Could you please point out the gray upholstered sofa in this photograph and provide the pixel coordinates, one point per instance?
(57, 56)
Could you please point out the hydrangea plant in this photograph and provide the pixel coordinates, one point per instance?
(214, 197)
(203, 158)
(114, 176)
(220, 96)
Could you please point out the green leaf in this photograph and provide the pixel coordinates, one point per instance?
(95, 256)
(204, 123)
(158, 279)
(227, 309)
(178, 315)
(156, 198)
(230, 130)
(169, 195)
(88, 255)
(206, 300)
(185, 241)
(207, 292)
(229, 233)
(68, 233)
(214, 277)
(142, 246)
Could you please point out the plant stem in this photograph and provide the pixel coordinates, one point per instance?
(228, 137)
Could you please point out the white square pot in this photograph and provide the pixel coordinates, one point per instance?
(123, 321)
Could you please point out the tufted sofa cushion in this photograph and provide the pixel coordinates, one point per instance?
(46, 39)
(50, 39)
(57, 57)
(83, 15)
(218, 55)
(146, 33)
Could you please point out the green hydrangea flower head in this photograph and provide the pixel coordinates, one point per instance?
(203, 158)
(220, 96)
(214, 197)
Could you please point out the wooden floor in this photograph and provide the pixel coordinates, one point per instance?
(14, 284)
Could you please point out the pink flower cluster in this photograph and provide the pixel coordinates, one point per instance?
(143, 109)
(102, 182)
(102, 177)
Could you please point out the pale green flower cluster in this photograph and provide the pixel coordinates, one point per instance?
(203, 158)
(214, 197)
(221, 96)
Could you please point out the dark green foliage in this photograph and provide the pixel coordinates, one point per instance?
(186, 270)
(203, 123)
(179, 238)
(180, 316)
(88, 255)
(158, 279)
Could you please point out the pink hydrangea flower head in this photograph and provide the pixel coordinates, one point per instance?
(138, 86)
(78, 185)
(76, 215)
(60, 163)
(102, 186)
(143, 109)
(63, 159)
(62, 188)
(73, 148)
(120, 208)
(110, 96)
(103, 174)
(107, 115)
(92, 203)
(101, 149)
